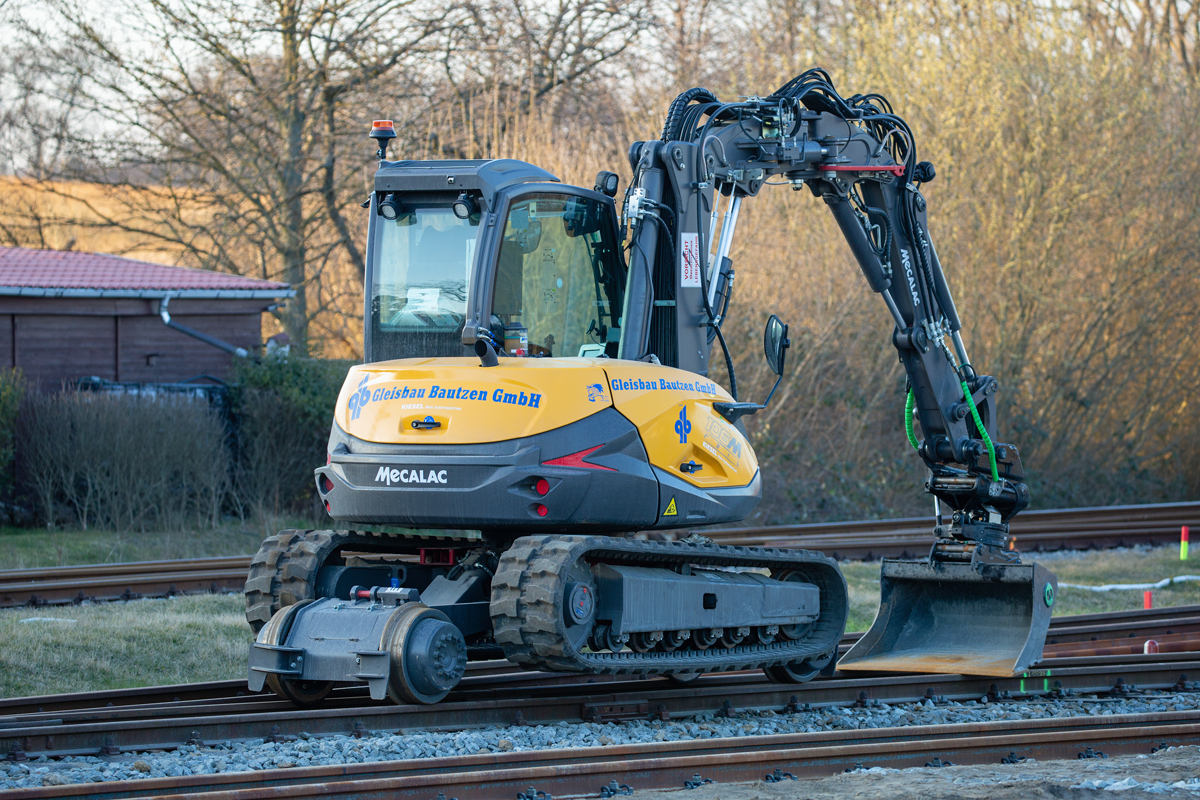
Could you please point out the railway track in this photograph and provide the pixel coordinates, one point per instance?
(1078, 528)
(1075, 635)
(1059, 529)
(669, 764)
(115, 722)
(532, 699)
(68, 585)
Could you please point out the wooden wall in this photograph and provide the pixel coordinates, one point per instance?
(57, 340)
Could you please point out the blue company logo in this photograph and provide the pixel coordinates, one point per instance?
(682, 426)
(361, 396)
(595, 391)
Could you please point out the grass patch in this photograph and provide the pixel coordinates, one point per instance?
(1097, 568)
(25, 548)
(121, 645)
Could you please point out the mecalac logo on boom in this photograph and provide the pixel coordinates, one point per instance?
(908, 271)
(682, 426)
(361, 396)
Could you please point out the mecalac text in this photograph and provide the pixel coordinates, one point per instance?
(390, 476)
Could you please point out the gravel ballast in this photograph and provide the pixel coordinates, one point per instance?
(1171, 772)
(375, 747)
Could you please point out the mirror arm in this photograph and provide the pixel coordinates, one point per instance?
(732, 412)
(778, 380)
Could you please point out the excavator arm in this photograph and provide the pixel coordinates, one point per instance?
(859, 158)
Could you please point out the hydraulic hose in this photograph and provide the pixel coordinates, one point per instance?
(910, 403)
(987, 440)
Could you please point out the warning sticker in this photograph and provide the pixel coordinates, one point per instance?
(671, 510)
(689, 259)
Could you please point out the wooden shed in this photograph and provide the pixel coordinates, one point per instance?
(69, 315)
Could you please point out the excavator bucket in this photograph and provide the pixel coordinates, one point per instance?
(948, 618)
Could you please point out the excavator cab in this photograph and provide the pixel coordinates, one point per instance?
(463, 249)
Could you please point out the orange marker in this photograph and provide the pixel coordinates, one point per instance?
(1148, 600)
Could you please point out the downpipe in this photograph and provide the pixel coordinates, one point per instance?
(165, 315)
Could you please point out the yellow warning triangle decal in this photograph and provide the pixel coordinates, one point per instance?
(671, 510)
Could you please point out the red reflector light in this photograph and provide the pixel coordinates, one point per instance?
(326, 484)
(328, 459)
(542, 510)
(542, 486)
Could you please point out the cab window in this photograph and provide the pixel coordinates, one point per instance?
(559, 284)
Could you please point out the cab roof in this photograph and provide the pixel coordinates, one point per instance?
(486, 176)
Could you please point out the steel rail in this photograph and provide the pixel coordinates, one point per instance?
(1057, 529)
(660, 765)
(619, 699)
(1078, 634)
(129, 581)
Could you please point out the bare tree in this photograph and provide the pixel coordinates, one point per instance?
(217, 125)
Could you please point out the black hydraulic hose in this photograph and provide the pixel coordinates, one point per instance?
(728, 363)
(671, 127)
(860, 244)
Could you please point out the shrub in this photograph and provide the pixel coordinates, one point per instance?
(123, 462)
(12, 388)
(282, 410)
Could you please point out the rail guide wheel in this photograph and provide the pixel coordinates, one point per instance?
(405, 650)
(299, 691)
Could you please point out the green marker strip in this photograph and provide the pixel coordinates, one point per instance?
(910, 403)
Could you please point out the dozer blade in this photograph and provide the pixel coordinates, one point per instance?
(947, 618)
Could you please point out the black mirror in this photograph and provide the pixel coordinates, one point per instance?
(775, 343)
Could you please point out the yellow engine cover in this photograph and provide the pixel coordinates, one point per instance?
(521, 397)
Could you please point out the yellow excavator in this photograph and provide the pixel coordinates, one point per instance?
(539, 394)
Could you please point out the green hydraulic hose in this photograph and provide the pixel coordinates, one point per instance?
(987, 440)
(909, 404)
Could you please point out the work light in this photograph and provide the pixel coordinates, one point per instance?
(465, 206)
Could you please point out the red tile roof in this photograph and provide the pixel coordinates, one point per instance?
(24, 271)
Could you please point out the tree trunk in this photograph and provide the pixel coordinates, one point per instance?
(294, 254)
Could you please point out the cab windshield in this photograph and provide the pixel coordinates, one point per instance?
(559, 284)
(419, 283)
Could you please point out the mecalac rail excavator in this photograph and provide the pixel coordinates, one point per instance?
(527, 382)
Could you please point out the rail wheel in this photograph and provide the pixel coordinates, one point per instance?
(427, 653)
(300, 692)
(798, 671)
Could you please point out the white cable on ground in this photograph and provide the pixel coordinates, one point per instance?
(1131, 586)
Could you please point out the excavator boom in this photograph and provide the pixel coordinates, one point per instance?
(860, 159)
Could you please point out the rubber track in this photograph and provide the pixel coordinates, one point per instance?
(284, 570)
(528, 589)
